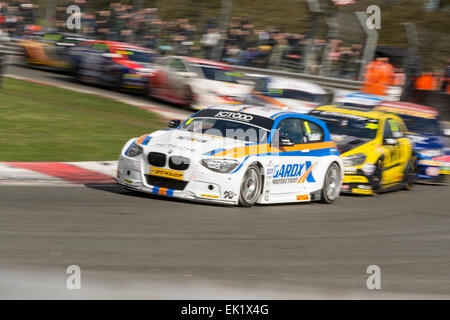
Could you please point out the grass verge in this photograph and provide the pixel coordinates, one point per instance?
(43, 123)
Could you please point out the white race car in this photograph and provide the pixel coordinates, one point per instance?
(198, 82)
(236, 155)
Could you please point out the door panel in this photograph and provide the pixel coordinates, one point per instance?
(293, 169)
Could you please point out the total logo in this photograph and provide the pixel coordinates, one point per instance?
(234, 115)
(293, 173)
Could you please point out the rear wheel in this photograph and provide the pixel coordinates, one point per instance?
(77, 74)
(250, 187)
(331, 184)
(188, 96)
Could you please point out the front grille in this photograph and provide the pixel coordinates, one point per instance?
(166, 182)
(178, 163)
(157, 159)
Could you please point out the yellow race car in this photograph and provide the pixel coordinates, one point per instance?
(377, 155)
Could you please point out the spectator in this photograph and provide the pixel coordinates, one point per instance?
(209, 41)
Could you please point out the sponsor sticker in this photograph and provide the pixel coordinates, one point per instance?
(293, 173)
(166, 173)
(209, 196)
(302, 197)
(234, 116)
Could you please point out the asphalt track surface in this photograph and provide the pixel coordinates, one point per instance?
(144, 246)
(292, 249)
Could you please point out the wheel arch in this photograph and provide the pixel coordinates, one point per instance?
(262, 171)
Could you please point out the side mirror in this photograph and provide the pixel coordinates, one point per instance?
(174, 123)
(390, 142)
(285, 142)
(187, 74)
(397, 134)
(447, 132)
(111, 55)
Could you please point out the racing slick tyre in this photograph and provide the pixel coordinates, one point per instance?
(188, 96)
(250, 187)
(409, 174)
(331, 184)
(377, 176)
(77, 74)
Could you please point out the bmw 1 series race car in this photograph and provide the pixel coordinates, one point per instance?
(376, 152)
(236, 155)
(425, 132)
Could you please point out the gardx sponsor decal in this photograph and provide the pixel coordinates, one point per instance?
(293, 173)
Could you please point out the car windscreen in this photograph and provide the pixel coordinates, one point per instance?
(421, 125)
(137, 55)
(226, 129)
(348, 125)
(299, 95)
(218, 74)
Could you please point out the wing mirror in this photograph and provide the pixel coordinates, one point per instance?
(397, 134)
(446, 132)
(187, 74)
(390, 142)
(112, 55)
(286, 142)
(174, 124)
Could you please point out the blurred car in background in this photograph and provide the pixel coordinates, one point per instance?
(358, 99)
(424, 130)
(289, 94)
(115, 64)
(197, 82)
(50, 49)
(376, 152)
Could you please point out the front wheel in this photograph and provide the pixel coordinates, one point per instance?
(250, 187)
(409, 174)
(377, 177)
(331, 184)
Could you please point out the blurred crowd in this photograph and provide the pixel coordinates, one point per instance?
(242, 43)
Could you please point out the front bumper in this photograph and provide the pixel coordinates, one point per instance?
(355, 182)
(204, 184)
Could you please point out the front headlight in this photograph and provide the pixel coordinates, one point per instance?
(431, 153)
(134, 150)
(355, 159)
(220, 165)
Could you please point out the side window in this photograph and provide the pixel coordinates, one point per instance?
(100, 47)
(291, 128)
(313, 132)
(177, 65)
(387, 134)
(394, 125)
